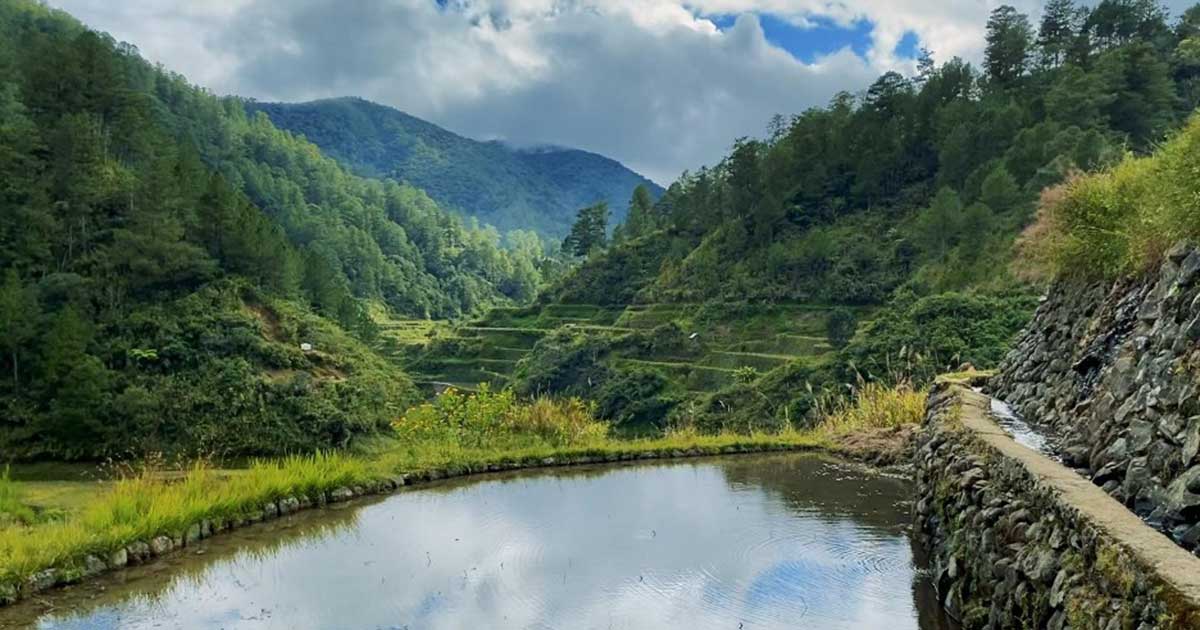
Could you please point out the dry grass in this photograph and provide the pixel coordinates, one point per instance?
(873, 406)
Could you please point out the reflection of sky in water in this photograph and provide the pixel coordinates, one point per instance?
(648, 547)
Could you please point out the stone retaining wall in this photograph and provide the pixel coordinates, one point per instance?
(1113, 369)
(1017, 540)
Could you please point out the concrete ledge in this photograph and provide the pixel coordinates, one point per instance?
(1018, 540)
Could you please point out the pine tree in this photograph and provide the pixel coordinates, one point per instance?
(1008, 38)
(590, 231)
(1056, 32)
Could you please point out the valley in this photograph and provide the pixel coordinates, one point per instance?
(423, 380)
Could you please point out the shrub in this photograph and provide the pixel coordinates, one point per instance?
(1120, 220)
(488, 419)
(872, 406)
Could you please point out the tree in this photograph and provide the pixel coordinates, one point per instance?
(1057, 31)
(18, 321)
(64, 345)
(925, 66)
(840, 326)
(1008, 38)
(938, 225)
(590, 231)
(641, 217)
(1000, 191)
(976, 229)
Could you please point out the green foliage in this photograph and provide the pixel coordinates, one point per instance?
(491, 419)
(927, 179)
(1121, 220)
(637, 399)
(841, 326)
(589, 232)
(535, 189)
(163, 254)
(1009, 37)
(920, 337)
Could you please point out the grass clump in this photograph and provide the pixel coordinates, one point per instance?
(487, 419)
(1121, 220)
(872, 406)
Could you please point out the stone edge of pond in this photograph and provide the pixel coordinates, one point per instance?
(1018, 540)
(78, 569)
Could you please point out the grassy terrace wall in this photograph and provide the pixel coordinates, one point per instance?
(1019, 541)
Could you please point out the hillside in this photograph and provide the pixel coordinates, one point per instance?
(509, 188)
(903, 202)
(179, 276)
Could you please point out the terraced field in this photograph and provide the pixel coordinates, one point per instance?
(487, 350)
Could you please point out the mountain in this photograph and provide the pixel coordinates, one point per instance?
(179, 275)
(510, 188)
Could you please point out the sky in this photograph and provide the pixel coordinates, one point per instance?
(661, 85)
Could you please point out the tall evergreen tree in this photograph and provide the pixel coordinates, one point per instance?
(590, 231)
(1057, 31)
(1008, 38)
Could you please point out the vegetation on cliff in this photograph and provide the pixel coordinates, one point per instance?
(1121, 220)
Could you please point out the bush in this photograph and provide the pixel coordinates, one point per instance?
(1121, 220)
(488, 419)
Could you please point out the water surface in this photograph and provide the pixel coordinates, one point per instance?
(781, 541)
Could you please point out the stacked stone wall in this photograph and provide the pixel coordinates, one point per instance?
(1017, 540)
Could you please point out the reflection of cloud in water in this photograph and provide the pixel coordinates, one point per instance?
(657, 546)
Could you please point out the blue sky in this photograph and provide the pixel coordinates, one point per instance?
(808, 42)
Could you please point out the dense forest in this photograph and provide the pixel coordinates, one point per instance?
(164, 255)
(178, 274)
(535, 189)
(905, 199)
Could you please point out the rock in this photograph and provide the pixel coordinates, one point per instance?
(160, 545)
(1188, 269)
(42, 580)
(118, 559)
(1183, 494)
(8, 594)
(93, 565)
(270, 511)
(137, 552)
(1141, 433)
(288, 505)
(192, 534)
(1058, 590)
(340, 494)
(1191, 441)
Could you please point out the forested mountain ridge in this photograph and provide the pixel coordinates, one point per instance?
(509, 188)
(164, 256)
(904, 200)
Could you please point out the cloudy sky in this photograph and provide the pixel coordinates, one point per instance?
(662, 85)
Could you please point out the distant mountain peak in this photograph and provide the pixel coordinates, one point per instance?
(501, 182)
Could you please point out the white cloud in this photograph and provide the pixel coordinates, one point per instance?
(652, 83)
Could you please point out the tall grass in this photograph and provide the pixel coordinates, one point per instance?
(455, 431)
(12, 507)
(872, 406)
(1121, 220)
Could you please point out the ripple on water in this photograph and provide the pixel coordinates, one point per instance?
(772, 542)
